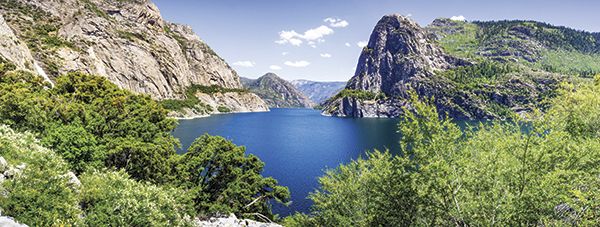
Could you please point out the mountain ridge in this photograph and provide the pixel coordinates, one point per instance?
(475, 70)
(277, 92)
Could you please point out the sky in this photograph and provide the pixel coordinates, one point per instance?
(321, 39)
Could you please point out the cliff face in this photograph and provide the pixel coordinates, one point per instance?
(451, 61)
(128, 42)
(277, 92)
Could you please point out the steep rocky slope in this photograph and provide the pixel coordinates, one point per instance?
(126, 41)
(473, 70)
(277, 92)
(317, 91)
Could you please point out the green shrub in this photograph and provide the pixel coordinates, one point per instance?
(192, 102)
(223, 109)
(502, 173)
(112, 199)
(41, 194)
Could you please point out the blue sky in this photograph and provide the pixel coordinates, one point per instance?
(294, 39)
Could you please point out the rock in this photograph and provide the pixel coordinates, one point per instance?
(21, 166)
(277, 92)
(9, 222)
(238, 102)
(12, 172)
(233, 221)
(2, 178)
(73, 180)
(401, 56)
(128, 42)
(12, 49)
(3, 164)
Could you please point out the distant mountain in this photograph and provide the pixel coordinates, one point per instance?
(475, 70)
(318, 92)
(277, 92)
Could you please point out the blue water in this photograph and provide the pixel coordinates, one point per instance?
(297, 145)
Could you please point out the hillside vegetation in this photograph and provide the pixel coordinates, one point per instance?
(123, 166)
(543, 170)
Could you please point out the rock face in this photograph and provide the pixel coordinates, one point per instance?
(9, 222)
(401, 56)
(277, 92)
(316, 91)
(127, 42)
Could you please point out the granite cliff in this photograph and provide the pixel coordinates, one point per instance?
(474, 70)
(127, 42)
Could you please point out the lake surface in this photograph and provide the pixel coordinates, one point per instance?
(297, 145)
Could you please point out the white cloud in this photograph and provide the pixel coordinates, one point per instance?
(458, 18)
(347, 44)
(245, 63)
(317, 33)
(297, 63)
(325, 55)
(284, 53)
(311, 35)
(362, 44)
(275, 67)
(336, 22)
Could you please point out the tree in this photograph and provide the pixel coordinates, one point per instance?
(527, 172)
(223, 179)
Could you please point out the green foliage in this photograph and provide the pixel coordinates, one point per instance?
(359, 94)
(41, 194)
(76, 145)
(94, 125)
(91, 121)
(484, 72)
(131, 36)
(223, 109)
(570, 62)
(192, 102)
(6, 66)
(556, 37)
(222, 179)
(502, 173)
(112, 199)
(95, 9)
(463, 43)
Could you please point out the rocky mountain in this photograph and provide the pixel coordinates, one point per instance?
(277, 92)
(317, 91)
(473, 70)
(127, 42)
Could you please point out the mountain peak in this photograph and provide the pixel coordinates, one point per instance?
(277, 92)
(397, 39)
(271, 76)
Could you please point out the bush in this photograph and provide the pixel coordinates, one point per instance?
(41, 194)
(84, 118)
(223, 109)
(112, 199)
(543, 172)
